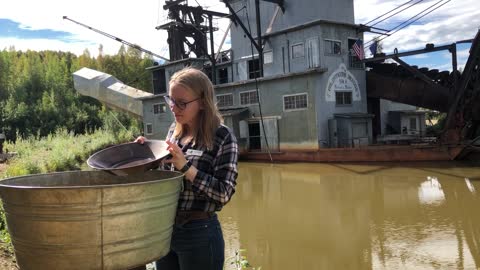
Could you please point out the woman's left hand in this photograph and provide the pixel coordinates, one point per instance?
(178, 158)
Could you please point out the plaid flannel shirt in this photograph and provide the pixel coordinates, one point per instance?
(215, 181)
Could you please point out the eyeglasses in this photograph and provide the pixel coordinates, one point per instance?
(180, 104)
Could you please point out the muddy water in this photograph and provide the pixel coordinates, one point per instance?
(340, 216)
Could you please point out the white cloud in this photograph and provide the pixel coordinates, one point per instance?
(420, 56)
(46, 44)
(463, 53)
(132, 21)
(135, 22)
(456, 20)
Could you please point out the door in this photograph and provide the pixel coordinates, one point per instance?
(271, 132)
(254, 138)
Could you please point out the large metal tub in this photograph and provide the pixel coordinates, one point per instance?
(90, 219)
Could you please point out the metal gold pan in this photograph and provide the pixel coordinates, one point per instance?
(129, 158)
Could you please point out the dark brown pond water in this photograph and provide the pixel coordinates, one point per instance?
(368, 216)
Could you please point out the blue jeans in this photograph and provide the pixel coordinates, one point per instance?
(197, 245)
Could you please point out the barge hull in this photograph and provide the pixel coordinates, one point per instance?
(368, 154)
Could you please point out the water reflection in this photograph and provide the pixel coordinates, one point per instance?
(340, 216)
(430, 191)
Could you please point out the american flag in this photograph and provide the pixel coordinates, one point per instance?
(358, 49)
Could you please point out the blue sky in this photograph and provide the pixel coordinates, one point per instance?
(24, 27)
(9, 28)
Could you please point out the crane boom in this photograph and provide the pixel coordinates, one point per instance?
(135, 46)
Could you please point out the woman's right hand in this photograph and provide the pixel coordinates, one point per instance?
(140, 139)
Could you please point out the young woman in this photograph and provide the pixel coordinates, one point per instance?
(206, 151)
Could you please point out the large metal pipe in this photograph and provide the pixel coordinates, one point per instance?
(410, 91)
(109, 90)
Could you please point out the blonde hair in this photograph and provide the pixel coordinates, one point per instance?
(209, 117)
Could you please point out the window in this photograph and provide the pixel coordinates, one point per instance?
(222, 75)
(313, 58)
(249, 97)
(159, 82)
(413, 123)
(254, 69)
(148, 129)
(268, 57)
(353, 59)
(295, 102)
(298, 50)
(333, 47)
(343, 98)
(225, 100)
(159, 108)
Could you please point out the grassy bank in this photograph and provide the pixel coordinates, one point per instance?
(61, 151)
(58, 152)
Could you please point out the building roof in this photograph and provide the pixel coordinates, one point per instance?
(232, 111)
(273, 77)
(411, 112)
(353, 115)
(190, 59)
(311, 23)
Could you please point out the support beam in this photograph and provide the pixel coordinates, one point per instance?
(236, 20)
(172, 3)
(212, 49)
(415, 72)
(186, 8)
(259, 36)
(414, 52)
(470, 67)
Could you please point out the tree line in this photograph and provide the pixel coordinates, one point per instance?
(37, 95)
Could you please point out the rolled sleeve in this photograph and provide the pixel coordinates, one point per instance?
(220, 186)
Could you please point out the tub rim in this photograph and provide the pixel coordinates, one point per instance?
(153, 181)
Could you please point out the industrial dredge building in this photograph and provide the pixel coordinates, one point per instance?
(291, 85)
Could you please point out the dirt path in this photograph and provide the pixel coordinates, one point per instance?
(7, 262)
(3, 167)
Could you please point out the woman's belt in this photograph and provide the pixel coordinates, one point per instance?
(183, 217)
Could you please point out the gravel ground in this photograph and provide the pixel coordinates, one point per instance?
(7, 261)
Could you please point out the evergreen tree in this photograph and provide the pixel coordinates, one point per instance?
(37, 96)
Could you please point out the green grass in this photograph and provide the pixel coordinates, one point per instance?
(61, 151)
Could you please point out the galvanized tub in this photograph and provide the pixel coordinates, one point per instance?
(90, 219)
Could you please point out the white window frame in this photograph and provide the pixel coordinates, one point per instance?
(146, 128)
(313, 52)
(162, 105)
(270, 57)
(332, 40)
(303, 50)
(225, 106)
(249, 91)
(295, 109)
